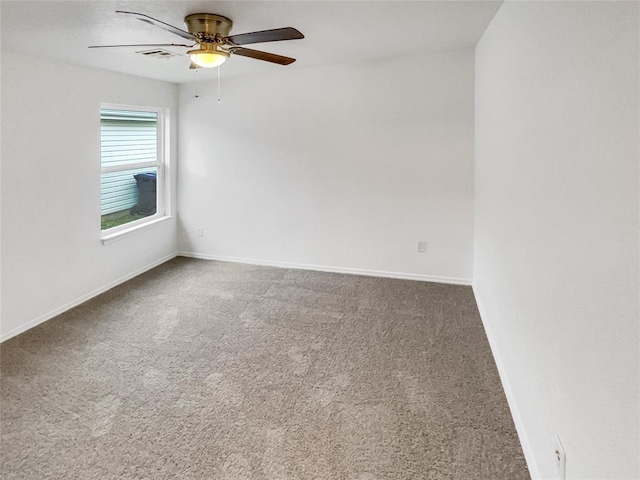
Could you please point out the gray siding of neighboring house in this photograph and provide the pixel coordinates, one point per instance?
(125, 139)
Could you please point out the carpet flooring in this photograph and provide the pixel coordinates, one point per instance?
(210, 370)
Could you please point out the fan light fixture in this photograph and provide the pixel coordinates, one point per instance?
(211, 33)
(208, 56)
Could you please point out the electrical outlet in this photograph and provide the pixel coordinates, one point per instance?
(561, 459)
(421, 246)
(200, 232)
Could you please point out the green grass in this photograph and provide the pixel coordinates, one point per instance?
(110, 221)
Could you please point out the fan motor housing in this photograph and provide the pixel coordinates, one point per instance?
(208, 24)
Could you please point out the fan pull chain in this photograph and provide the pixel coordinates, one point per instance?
(197, 95)
(218, 84)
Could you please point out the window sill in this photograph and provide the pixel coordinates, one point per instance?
(114, 237)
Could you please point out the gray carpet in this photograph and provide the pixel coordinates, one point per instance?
(211, 370)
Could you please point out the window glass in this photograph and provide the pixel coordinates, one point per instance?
(131, 157)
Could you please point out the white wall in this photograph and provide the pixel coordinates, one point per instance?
(556, 227)
(339, 166)
(52, 255)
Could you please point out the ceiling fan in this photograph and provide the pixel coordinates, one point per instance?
(210, 32)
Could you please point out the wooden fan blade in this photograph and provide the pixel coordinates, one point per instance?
(144, 45)
(161, 24)
(193, 66)
(262, 36)
(258, 55)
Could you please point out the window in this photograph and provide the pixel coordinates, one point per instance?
(132, 160)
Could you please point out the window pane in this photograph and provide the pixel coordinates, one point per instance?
(128, 139)
(128, 196)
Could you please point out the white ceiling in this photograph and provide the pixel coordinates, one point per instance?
(335, 31)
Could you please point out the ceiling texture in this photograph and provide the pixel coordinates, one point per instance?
(336, 32)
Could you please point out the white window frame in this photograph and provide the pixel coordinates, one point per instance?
(162, 184)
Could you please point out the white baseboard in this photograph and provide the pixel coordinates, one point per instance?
(515, 412)
(325, 268)
(82, 299)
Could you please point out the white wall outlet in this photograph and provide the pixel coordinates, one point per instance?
(560, 459)
(200, 232)
(421, 246)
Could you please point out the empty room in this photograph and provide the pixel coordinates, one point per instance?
(355, 240)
